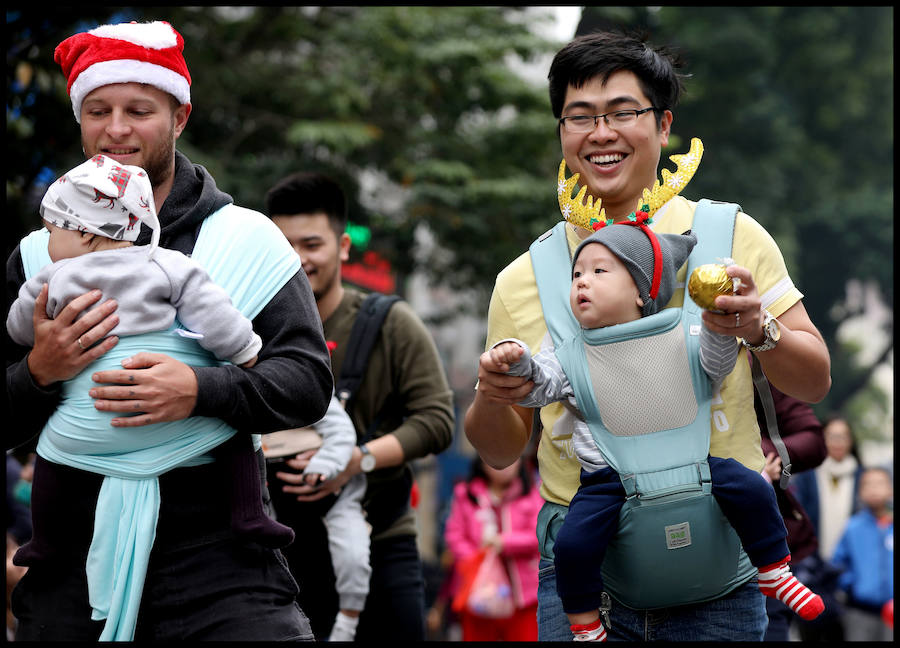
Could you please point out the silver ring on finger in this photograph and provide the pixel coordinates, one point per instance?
(737, 320)
(80, 345)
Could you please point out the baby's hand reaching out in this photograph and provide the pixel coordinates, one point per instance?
(505, 354)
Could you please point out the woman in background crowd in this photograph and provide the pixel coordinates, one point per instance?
(829, 493)
(499, 508)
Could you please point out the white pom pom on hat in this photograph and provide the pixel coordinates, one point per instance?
(150, 53)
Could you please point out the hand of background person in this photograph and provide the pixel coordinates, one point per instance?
(155, 386)
(772, 470)
(64, 346)
(298, 484)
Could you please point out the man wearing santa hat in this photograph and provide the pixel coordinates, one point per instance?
(130, 91)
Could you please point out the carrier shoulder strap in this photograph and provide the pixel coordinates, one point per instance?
(725, 215)
(363, 335)
(713, 224)
(552, 263)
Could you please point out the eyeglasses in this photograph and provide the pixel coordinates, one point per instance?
(616, 119)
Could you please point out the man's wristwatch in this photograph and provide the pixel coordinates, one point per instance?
(367, 462)
(772, 332)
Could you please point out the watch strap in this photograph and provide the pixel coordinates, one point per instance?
(768, 341)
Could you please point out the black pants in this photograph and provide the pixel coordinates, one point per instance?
(395, 606)
(225, 591)
(202, 583)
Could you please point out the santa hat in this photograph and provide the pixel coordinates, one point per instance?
(103, 197)
(652, 260)
(128, 52)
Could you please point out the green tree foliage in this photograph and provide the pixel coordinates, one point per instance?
(416, 104)
(416, 111)
(41, 135)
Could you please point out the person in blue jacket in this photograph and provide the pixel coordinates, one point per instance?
(866, 554)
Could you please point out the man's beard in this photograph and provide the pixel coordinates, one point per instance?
(159, 166)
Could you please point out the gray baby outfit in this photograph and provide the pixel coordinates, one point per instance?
(150, 292)
(348, 531)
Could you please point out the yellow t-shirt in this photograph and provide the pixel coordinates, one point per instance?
(515, 312)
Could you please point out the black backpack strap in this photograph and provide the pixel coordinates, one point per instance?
(363, 335)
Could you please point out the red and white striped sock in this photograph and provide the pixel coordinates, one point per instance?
(589, 632)
(777, 581)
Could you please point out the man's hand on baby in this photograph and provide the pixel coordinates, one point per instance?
(496, 386)
(65, 345)
(152, 387)
(309, 487)
(297, 463)
(313, 479)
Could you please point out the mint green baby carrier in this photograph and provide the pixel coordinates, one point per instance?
(248, 256)
(674, 545)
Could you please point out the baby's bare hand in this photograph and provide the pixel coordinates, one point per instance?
(504, 355)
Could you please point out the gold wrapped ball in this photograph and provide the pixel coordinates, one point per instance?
(708, 282)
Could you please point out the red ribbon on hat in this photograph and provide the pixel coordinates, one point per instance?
(641, 218)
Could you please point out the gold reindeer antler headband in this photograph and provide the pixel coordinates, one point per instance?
(591, 216)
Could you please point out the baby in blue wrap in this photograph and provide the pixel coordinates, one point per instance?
(93, 214)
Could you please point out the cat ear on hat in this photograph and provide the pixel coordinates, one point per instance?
(679, 246)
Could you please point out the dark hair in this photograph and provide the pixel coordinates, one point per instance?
(476, 469)
(833, 417)
(601, 54)
(308, 193)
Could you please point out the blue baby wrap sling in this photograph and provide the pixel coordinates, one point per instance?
(674, 546)
(248, 256)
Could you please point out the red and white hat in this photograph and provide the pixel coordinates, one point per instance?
(128, 52)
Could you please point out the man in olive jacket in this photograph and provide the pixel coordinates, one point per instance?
(403, 410)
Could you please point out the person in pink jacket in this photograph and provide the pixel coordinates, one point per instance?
(499, 508)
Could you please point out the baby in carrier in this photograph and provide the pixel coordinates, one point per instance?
(621, 273)
(94, 213)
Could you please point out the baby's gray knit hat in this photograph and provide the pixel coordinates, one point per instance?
(634, 248)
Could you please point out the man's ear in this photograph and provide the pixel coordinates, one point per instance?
(181, 115)
(344, 247)
(665, 127)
